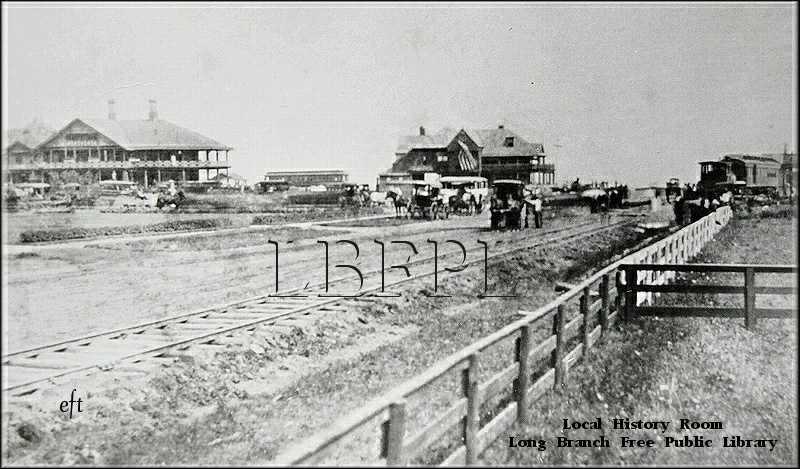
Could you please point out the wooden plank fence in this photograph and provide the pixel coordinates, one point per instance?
(748, 290)
(535, 369)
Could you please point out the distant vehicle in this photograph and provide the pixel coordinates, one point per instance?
(504, 215)
(673, 189)
(272, 186)
(757, 173)
(354, 195)
(427, 201)
(473, 190)
(113, 187)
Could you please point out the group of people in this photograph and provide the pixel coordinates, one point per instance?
(512, 208)
(693, 204)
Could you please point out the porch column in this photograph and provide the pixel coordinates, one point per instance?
(183, 172)
(159, 174)
(145, 178)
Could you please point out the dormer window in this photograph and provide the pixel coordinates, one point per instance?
(509, 141)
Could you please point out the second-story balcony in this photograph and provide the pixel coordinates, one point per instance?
(514, 166)
(98, 164)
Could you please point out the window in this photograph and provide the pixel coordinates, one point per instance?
(509, 141)
(441, 158)
(77, 136)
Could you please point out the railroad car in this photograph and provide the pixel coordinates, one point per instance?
(758, 174)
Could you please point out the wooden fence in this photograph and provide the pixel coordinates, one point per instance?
(566, 329)
(748, 289)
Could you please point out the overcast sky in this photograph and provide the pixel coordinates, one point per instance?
(636, 93)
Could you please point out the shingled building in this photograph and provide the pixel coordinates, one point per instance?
(492, 153)
(144, 151)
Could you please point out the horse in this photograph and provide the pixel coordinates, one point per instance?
(464, 204)
(398, 201)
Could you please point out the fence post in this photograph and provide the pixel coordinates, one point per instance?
(749, 298)
(604, 290)
(472, 423)
(618, 297)
(631, 279)
(393, 435)
(587, 292)
(523, 380)
(558, 353)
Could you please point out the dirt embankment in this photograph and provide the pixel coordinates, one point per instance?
(245, 399)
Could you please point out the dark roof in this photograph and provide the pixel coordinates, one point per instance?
(493, 143)
(491, 140)
(30, 136)
(440, 139)
(306, 172)
(150, 135)
(234, 176)
(762, 159)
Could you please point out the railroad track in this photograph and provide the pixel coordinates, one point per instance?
(27, 370)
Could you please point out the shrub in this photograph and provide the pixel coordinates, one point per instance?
(61, 234)
(315, 198)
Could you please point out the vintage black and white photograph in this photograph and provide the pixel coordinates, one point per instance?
(399, 234)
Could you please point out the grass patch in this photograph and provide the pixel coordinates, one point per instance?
(61, 234)
(685, 368)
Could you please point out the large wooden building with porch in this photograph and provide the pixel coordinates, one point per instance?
(145, 151)
(491, 153)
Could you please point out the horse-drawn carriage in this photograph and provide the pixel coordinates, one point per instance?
(507, 207)
(426, 201)
(354, 195)
(465, 194)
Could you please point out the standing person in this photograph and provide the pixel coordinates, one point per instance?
(496, 211)
(537, 211)
(679, 209)
(512, 215)
(527, 201)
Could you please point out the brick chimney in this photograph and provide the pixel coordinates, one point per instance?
(422, 130)
(112, 114)
(153, 110)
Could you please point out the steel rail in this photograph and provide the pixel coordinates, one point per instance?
(562, 235)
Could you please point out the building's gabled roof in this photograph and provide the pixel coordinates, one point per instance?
(491, 140)
(440, 139)
(149, 135)
(493, 143)
(30, 136)
(232, 176)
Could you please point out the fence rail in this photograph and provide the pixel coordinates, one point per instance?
(749, 290)
(534, 369)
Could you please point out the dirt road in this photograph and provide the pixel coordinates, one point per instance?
(68, 292)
